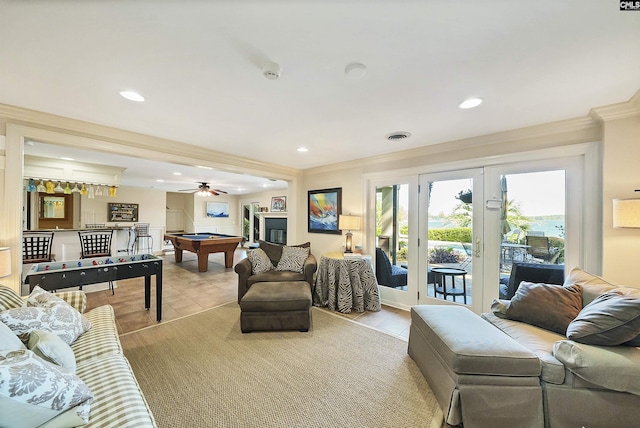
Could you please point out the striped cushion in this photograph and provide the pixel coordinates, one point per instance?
(77, 299)
(118, 400)
(101, 340)
(9, 299)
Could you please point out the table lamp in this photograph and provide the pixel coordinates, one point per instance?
(348, 222)
(626, 213)
(5, 261)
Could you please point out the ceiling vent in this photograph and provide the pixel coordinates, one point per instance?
(397, 136)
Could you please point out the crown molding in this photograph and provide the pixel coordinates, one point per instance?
(160, 149)
(617, 111)
(565, 132)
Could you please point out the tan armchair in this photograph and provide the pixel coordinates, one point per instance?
(246, 279)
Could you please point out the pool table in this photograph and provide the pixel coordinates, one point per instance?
(203, 244)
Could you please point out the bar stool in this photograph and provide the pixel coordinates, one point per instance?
(142, 232)
(96, 244)
(36, 247)
(441, 275)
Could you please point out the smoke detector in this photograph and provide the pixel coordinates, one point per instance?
(271, 70)
(396, 136)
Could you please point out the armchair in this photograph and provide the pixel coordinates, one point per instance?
(246, 278)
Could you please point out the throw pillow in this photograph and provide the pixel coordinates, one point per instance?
(499, 307)
(50, 347)
(611, 319)
(9, 299)
(293, 259)
(274, 251)
(45, 311)
(28, 381)
(260, 262)
(8, 339)
(548, 306)
(592, 285)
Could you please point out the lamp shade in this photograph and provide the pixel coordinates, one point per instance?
(5, 261)
(349, 222)
(626, 213)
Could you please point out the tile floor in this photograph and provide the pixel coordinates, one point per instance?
(186, 291)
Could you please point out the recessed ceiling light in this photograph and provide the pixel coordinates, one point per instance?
(470, 103)
(177, 173)
(67, 159)
(203, 167)
(302, 149)
(160, 180)
(132, 96)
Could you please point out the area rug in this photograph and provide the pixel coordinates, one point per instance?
(201, 371)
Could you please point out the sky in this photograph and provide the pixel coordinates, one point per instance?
(538, 193)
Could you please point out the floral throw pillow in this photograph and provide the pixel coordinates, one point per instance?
(44, 311)
(260, 262)
(28, 379)
(293, 259)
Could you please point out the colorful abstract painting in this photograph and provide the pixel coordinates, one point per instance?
(324, 209)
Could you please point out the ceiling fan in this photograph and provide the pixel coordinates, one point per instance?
(204, 189)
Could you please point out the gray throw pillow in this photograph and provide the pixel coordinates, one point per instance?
(548, 306)
(611, 319)
(260, 262)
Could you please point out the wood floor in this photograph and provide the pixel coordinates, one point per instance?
(186, 291)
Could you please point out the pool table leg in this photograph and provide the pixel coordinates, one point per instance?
(203, 262)
(178, 254)
(228, 258)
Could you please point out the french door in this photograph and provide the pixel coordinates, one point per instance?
(450, 212)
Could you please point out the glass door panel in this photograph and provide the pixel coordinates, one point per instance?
(451, 217)
(392, 235)
(394, 203)
(532, 222)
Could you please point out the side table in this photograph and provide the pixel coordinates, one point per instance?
(441, 275)
(344, 285)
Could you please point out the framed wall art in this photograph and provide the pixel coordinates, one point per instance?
(323, 209)
(217, 209)
(279, 204)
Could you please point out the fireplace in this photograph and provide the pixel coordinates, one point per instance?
(275, 230)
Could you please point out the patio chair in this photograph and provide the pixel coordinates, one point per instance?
(388, 274)
(469, 251)
(539, 249)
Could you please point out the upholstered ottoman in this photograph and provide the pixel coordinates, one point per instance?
(480, 376)
(272, 306)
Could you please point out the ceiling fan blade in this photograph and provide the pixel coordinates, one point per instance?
(187, 190)
(220, 191)
(213, 192)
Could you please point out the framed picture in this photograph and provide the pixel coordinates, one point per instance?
(323, 209)
(218, 209)
(279, 204)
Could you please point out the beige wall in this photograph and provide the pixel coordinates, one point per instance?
(151, 204)
(621, 171)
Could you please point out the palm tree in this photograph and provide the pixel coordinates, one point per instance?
(515, 216)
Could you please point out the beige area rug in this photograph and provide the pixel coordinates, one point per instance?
(201, 371)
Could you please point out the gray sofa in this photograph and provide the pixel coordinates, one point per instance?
(482, 375)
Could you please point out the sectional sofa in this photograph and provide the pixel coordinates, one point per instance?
(553, 356)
